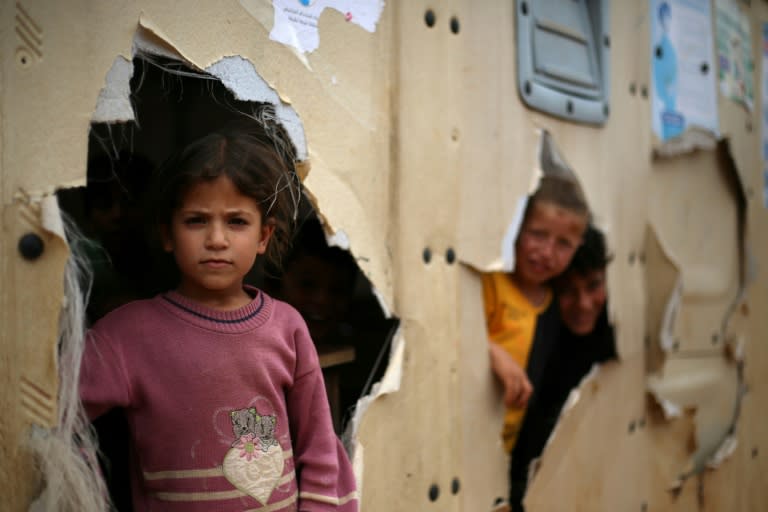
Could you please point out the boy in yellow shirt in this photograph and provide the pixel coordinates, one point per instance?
(554, 222)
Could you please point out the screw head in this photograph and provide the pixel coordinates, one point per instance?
(430, 18)
(455, 25)
(31, 246)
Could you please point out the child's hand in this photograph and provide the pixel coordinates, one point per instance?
(517, 387)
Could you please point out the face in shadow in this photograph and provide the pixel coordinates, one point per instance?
(581, 298)
(320, 288)
(581, 289)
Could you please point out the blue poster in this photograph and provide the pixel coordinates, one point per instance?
(683, 88)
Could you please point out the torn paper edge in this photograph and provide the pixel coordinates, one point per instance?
(161, 47)
(382, 302)
(670, 409)
(510, 236)
(50, 216)
(236, 73)
(262, 12)
(339, 239)
(550, 161)
(304, 37)
(724, 451)
(240, 76)
(667, 329)
(114, 104)
(693, 139)
(389, 383)
(358, 466)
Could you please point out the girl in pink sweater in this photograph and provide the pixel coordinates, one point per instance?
(220, 383)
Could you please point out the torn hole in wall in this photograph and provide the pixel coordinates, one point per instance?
(710, 390)
(553, 284)
(171, 104)
(705, 376)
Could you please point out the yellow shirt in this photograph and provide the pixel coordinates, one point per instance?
(511, 322)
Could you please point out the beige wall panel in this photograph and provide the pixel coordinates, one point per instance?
(597, 457)
(50, 91)
(29, 326)
(481, 415)
(423, 418)
(418, 140)
(499, 145)
(748, 467)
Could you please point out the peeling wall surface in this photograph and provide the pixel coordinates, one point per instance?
(417, 150)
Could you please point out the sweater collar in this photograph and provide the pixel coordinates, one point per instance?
(243, 319)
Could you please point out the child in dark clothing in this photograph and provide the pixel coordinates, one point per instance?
(585, 337)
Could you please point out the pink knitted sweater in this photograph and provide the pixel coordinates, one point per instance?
(227, 410)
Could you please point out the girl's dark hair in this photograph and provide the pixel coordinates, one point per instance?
(259, 159)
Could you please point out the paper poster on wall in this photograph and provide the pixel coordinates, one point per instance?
(734, 52)
(682, 71)
(296, 21)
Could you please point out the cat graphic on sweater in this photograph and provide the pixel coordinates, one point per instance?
(261, 426)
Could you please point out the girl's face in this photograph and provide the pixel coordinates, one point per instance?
(215, 236)
(547, 241)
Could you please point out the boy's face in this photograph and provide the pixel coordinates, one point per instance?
(547, 241)
(581, 299)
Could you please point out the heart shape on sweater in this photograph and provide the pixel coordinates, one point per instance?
(253, 470)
